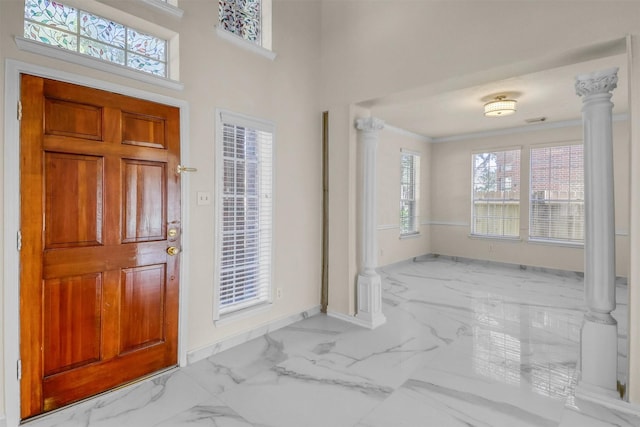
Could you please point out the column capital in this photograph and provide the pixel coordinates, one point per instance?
(597, 82)
(370, 124)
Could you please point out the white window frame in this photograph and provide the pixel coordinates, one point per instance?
(108, 12)
(169, 7)
(549, 197)
(503, 201)
(266, 199)
(414, 221)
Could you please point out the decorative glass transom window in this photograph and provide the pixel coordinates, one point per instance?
(496, 194)
(557, 194)
(242, 18)
(409, 192)
(244, 220)
(58, 25)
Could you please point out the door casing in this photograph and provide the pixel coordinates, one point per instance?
(11, 225)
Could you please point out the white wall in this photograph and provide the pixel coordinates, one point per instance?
(451, 202)
(391, 248)
(376, 48)
(217, 74)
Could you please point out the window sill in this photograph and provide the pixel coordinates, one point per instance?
(165, 7)
(243, 313)
(244, 44)
(97, 64)
(501, 238)
(575, 245)
(410, 235)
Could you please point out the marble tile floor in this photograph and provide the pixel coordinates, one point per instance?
(466, 343)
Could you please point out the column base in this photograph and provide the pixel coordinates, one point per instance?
(370, 300)
(598, 358)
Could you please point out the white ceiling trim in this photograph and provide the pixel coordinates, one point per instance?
(408, 133)
(520, 129)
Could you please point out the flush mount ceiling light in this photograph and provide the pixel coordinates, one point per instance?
(499, 107)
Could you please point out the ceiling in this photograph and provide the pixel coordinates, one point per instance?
(548, 93)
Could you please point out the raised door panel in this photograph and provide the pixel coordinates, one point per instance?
(142, 314)
(72, 308)
(143, 130)
(73, 200)
(144, 210)
(73, 119)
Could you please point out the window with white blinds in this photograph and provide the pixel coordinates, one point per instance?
(557, 194)
(496, 194)
(409, 192)
(244, 153)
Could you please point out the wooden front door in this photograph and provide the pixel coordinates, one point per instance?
(100, 208)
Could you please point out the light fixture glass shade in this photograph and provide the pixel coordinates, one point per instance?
(500, 107)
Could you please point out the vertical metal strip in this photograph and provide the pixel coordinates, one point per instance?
(324, 295)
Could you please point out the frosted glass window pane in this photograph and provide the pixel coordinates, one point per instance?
(148, 65)
(102, 29)
(242, 18)
(250, 7)
(58, 25)
(146, 45)
(52, 14)
(50, 36)
(102, 51)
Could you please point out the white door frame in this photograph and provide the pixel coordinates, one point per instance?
(11, 274)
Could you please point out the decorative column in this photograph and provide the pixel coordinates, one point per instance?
(369, 284)
(599, 333)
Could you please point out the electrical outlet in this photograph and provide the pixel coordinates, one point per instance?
(279, 293)
(204, 198)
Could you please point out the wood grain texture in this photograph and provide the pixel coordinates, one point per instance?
(99, 294)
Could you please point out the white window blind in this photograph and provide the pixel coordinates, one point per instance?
(409, 192)
(245, 212)
(557, 194)
(496, 194)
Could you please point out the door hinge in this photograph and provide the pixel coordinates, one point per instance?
(19, 110)
(19, 240)
(19, 369)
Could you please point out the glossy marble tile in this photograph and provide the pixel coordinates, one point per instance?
(465, 344)
(580, 413)
(145, 404)
(211, 413)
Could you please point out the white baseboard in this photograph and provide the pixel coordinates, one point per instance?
(260, 330)
(348, 318)
(606, 398)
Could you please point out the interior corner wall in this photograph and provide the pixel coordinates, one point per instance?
(344, 184)
(451, 202)
(341, 221)
(391, 247)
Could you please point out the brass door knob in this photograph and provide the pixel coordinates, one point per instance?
(172, 250)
